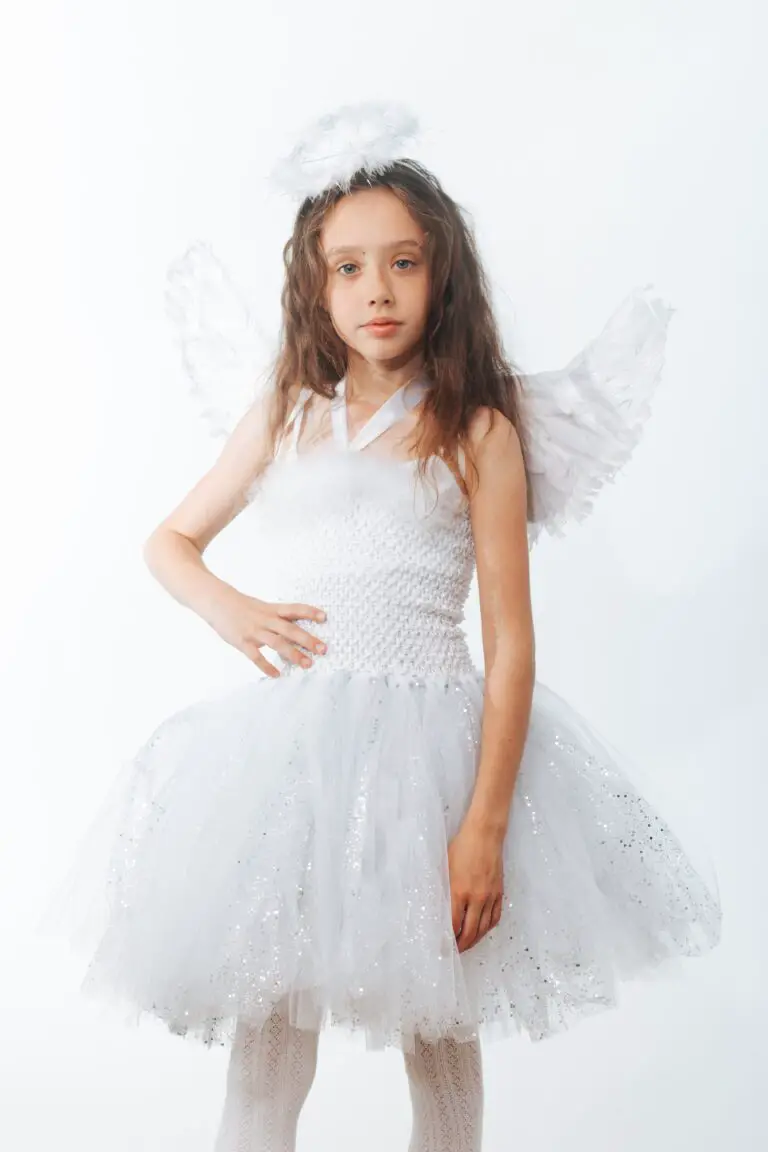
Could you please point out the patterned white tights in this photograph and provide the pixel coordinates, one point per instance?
(445, 1079)
(270, 1073)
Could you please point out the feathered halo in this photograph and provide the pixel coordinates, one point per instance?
(364, 137)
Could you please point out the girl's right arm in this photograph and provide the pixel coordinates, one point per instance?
(174, 550)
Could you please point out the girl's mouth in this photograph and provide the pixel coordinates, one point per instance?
(383, 328)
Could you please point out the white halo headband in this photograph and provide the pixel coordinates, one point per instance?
(365, 137)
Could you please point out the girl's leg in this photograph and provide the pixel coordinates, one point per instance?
(446, 1085)
(269, 1077)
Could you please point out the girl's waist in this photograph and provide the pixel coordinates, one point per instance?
(380, 644)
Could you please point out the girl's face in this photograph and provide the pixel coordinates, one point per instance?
(377, 269)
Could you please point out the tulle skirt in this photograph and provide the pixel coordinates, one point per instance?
(287, 840)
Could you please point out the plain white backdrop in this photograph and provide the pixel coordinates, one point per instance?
(596, 146)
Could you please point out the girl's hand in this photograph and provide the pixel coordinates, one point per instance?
(476, 877)
(247, 623)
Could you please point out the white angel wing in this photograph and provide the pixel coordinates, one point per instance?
(584, 420)
(225, 355)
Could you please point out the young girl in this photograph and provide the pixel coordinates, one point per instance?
(377, 834)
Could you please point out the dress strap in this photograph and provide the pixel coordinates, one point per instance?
(394, 408)
(461, 460)
(339, 415)
(294, 422)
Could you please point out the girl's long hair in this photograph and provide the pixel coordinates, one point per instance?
(463, 356)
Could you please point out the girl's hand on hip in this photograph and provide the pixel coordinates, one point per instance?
(248, 624)
(477, 882)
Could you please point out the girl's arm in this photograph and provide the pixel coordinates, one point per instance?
(173, 552)
(498, 512)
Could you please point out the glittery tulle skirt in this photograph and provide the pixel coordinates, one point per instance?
(288, 840)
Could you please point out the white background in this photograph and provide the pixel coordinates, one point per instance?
(596, 145)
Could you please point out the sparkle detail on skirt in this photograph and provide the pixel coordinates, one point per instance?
(287, 840)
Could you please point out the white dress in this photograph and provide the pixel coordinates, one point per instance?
(288, 839)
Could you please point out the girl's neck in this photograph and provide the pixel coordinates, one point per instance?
(372, 384)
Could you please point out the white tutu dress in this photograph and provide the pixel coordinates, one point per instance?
(288, 839)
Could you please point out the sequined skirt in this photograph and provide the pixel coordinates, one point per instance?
(288, 840)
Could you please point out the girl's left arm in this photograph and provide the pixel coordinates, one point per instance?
(498, 512)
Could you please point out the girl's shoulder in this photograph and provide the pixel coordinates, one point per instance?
(486, 421)
(493, 442)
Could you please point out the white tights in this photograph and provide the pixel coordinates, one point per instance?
(269, 1077)
(271, 1071)
(445, 1079)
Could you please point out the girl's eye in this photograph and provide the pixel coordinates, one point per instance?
(402, 260)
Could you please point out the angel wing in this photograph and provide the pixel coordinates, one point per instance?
(226, 356)
(583, 421)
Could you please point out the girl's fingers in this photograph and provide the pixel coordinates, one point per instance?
(469, 927)
(299, 612)
(299, 636)
(291, 631)
(276, 642)
(261, 661)
(485, 919)
(288, 650)
(478, 920)
(457, 913)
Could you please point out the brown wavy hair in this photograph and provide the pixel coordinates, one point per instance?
(463, 356)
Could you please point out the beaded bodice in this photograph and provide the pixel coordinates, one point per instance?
(388, 555)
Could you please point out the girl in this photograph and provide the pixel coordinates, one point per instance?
(376, 833)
